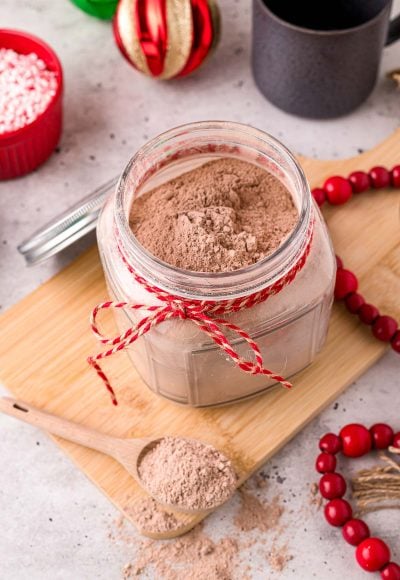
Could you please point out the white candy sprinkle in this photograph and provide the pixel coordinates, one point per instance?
(26, 89)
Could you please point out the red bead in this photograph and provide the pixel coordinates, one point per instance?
(372, 554)
(332, 485)
(384, 328)
(359, 181)
(356, 440)
(338, 190)
(354, 302)
(346, 283)
(339, 262)
(330, 443)
(395, 342)
(391, 571)
(338, 512)
(368, 313)
(325, 463)
(395, 176)
(396, 440)
(355, 531)
(380, 177)
(382, 435)
(319, 195)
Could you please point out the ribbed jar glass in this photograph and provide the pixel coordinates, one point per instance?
(176, 359)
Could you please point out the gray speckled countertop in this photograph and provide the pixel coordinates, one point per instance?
(54, 523)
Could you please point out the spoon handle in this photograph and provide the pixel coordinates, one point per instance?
(59, 426)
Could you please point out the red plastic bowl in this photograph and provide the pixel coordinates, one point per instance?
(23, 150)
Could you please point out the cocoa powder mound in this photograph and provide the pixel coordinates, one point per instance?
(187, 473)
(222, 216)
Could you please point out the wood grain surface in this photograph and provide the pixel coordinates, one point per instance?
(45, 339)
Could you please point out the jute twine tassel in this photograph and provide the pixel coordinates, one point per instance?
(378, 488)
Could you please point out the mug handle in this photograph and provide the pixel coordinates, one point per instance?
(394, 31)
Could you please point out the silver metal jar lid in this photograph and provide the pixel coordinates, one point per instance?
(66, 228)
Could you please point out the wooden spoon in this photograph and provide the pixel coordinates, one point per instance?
(127, 452)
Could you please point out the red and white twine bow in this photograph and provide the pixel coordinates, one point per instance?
(203, 313)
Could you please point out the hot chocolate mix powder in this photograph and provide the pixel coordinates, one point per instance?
(219, 217)
(192, 557)
(187, 473)
(196, 556)
(150, 517)
(254, 514)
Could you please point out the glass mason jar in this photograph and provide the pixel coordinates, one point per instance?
(176, 359)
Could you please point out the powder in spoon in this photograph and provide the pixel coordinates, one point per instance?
(187, 473)
(221, 216)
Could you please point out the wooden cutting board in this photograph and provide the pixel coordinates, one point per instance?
(45, 340)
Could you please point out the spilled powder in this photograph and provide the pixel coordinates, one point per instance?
(196, 556)
(193, 557)
(187, 473)
(315, 497)
(150, 517)
(219, 217)
(278, 558)
(259, 480)
(255, 514)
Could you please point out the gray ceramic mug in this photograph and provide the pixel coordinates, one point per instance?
(319, 58)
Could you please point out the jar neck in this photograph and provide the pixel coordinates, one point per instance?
(202, 142)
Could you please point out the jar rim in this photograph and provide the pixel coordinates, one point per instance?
(213, 285)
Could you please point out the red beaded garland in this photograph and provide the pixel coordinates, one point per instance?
(337, 512)
(332, 485)
(391, 572)
(372, 554)
(355, 531)
(395, 342)
(339, 263)
(330, 443)
(338, 190)
(395, 176)
(354, 302)
(384, 328)
(359, 181)
(382, 435)
(356, 440)
(325, 463)
(319, 195)
(368, 313)
(346, 283)
(380, 177)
